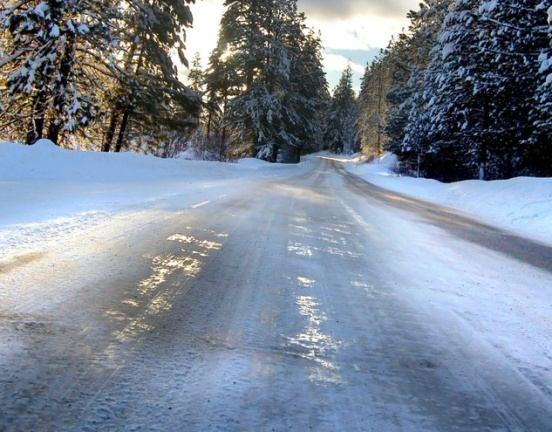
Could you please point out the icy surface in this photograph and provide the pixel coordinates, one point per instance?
(263, 298)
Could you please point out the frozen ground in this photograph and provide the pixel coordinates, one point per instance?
(521, 205)
(277, 298)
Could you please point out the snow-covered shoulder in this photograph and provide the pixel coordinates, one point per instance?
(522, 205)
(46, 190)
(46, 161)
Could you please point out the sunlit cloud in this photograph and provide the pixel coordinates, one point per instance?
(332, 9)
(359, 32)
(336, 62)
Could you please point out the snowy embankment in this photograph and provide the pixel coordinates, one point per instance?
(46, 191)
(521, 205)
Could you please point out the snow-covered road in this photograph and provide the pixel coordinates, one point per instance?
(307, 302)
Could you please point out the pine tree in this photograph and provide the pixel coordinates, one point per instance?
(341, 134)
(149, 92)
(511, 48)
(473, 117)
(220, 83)
(50, 49)
(265, 54)
(195, 75)
(235, 63)
(410, 56)
(539, 146)
(260, 113)
(447, 129)
(309, 93)
(373, 106)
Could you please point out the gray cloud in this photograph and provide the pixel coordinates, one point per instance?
(328, 9)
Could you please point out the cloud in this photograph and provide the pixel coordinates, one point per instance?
(360, 57)
(332, 9)
(337, 63)
(360, 32)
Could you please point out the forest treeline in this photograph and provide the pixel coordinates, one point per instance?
(103, 74)
(464, 92)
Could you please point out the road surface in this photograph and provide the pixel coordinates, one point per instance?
(315, 302)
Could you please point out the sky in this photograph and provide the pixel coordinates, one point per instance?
(353, 31)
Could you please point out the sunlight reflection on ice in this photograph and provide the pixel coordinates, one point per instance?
(151, 298)
(193, 240)
(300, 249)
(305, 282)
(301, 228)
(314, 345)
(304, 250)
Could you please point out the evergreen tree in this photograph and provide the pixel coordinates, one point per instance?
(195, 75)
(373, 106)
(447, 131)
(261, 113)
(399, 95)
(341, 134)
(148, 93)
(51, 46)
(539, 146)
(220, 83)
(472, 118)
(410, 56)
(511, 46)
(265, 58)
(309, 93)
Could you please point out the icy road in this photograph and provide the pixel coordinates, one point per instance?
(293, 303)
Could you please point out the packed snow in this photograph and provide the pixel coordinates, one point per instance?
(521, 205)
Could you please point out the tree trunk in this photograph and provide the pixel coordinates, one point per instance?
(36, 126)
(379, 150)
(289, 155)
(222, 148)
(117, 107)
(122, 130)
(483, 149)
(60, 101)
(110, 134)
(128, 109)
(209, 120)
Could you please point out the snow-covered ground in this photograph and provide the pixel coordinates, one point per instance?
(45, 190)
(521, 205)
(290, 303)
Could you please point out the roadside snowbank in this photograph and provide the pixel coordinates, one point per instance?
(521, 205)
(46, 161)
(45, 190)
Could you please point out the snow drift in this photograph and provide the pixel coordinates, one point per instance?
(521, 205)
(46, 190)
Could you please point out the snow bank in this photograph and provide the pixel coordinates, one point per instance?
(522, 205)
(46, 161)
(44, 182)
